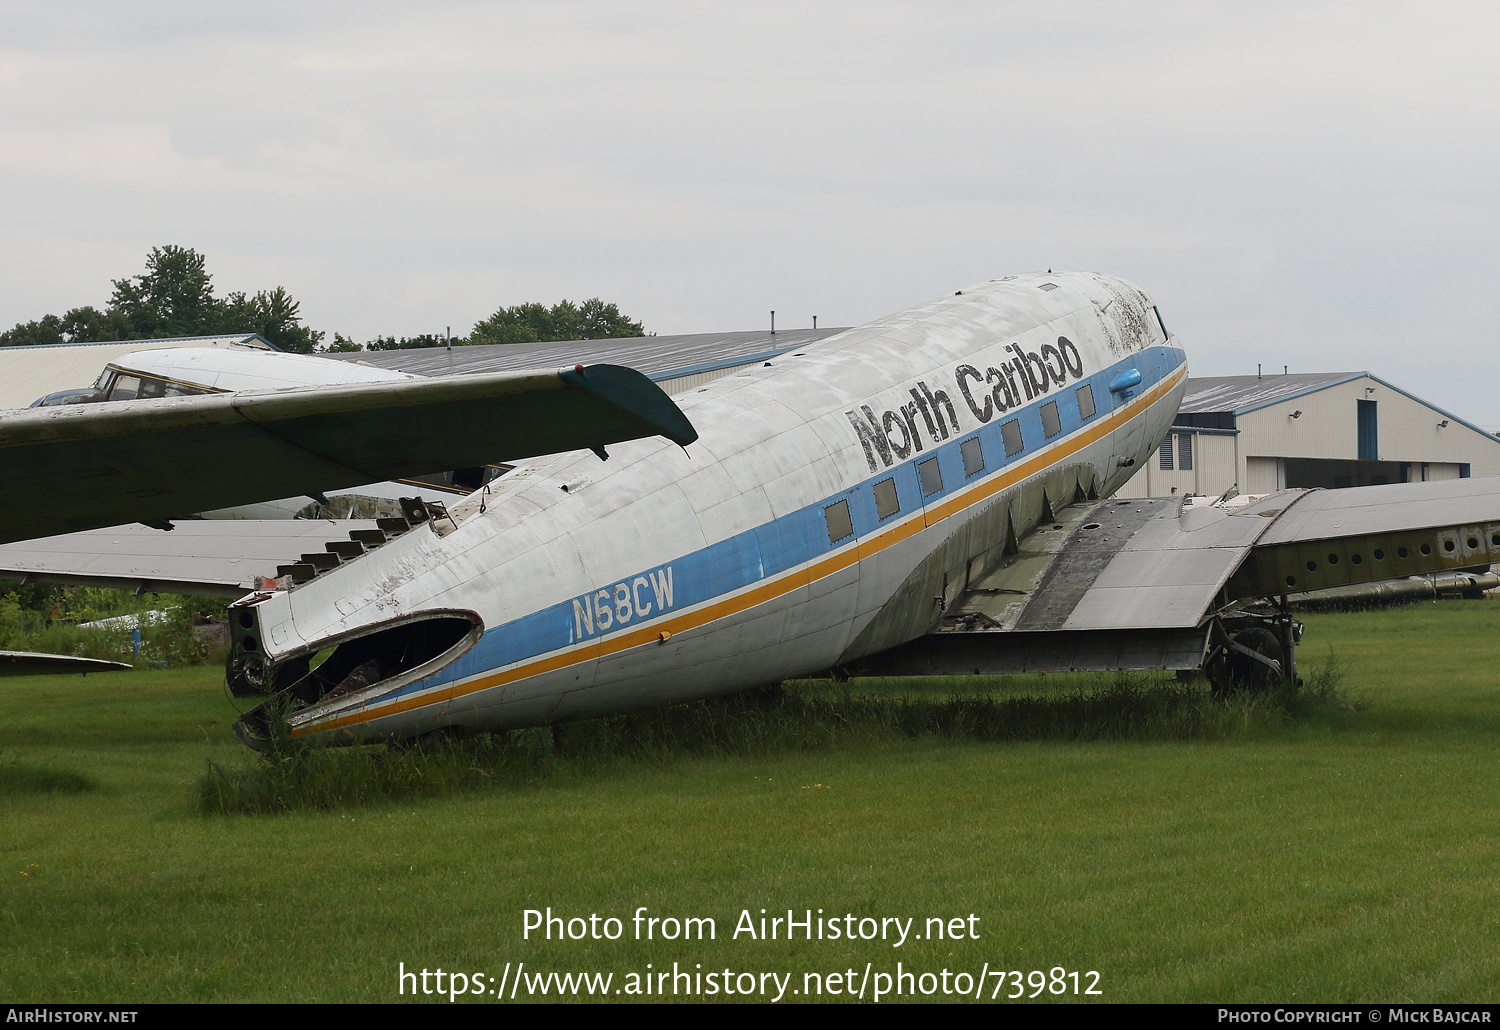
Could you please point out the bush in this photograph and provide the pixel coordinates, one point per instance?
(46, 620)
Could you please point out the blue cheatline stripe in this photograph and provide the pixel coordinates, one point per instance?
(796, 538)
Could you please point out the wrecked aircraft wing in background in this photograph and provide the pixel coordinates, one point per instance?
(30, 663)
(208, 557)
(78, 467)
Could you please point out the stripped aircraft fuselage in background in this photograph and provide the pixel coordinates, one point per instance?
(834, 501)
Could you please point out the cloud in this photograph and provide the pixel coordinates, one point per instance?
(1308, 184)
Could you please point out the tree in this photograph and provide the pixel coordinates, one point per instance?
(80, 325)
(273, 314)
(47, 329)
(174, 296)
(535, 323)
(89, 325)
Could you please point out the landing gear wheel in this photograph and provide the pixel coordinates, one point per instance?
(1237, 671)
(246, 673)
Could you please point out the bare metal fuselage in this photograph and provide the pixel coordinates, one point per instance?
(834, 500)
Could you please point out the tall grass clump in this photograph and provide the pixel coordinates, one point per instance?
(801, 716)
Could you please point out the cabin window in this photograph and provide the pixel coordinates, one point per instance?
(1164, 456)
(840, 526)
(1010, 432)
(182, 390)
(932, 477)
(1051, 422)
(1086, 401)
(973, 456)
(1185, 451)
(886, 501)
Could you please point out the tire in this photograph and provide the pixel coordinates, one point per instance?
(1234, 671)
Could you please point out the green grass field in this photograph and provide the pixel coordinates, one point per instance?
(1352, 855)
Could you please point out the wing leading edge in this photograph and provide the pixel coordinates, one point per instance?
(81, 467)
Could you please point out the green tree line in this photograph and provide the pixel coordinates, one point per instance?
(175, 297)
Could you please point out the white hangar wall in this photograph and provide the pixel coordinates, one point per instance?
(1268, 449)
(29, 373)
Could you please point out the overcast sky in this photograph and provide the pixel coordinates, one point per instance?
(1299, 184)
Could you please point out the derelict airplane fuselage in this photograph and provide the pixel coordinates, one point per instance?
(833, 499)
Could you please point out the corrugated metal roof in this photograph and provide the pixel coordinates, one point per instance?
(660, 357)
(30, 373)
(1239, 394)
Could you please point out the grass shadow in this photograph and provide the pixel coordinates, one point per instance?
(20, 778)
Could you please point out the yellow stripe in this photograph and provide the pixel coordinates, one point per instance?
(772, 589)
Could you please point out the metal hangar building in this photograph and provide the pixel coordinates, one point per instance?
(1260, 434)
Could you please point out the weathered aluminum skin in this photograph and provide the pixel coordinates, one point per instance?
(1119, 565)
(665, 574)
(1168, 573)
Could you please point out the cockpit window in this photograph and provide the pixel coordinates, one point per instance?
(116, 384)
(124, 388)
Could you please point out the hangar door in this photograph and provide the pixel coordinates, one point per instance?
(1369, 439)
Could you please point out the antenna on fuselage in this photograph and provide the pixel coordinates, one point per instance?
(773, 323)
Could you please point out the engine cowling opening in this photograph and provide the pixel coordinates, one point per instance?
(386, 657)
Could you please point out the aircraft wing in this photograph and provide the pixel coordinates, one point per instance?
(30, 663)
(78, 467)
(1135, 584)
(209, 557)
